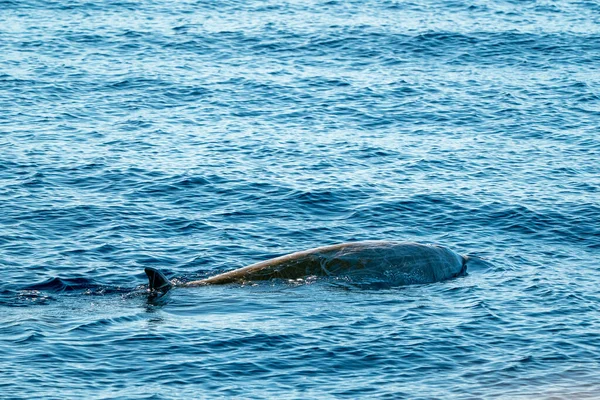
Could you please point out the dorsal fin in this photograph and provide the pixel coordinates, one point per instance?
(157, 280)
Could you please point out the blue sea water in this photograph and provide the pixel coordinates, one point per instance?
(199, 136)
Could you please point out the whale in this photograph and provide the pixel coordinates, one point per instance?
(396, 263)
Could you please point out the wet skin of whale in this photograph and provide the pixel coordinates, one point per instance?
(398, 263)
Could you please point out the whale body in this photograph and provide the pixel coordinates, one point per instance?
(396, 263)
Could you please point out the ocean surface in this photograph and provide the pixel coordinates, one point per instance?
(199, 136)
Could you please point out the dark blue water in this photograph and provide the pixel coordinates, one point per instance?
(198, 137)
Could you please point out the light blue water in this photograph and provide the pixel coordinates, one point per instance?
(198, 137)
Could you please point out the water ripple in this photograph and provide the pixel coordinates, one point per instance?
(198, 137)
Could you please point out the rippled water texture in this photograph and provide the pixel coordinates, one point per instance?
(198, 136)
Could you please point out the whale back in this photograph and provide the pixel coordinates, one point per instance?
(396, 263)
